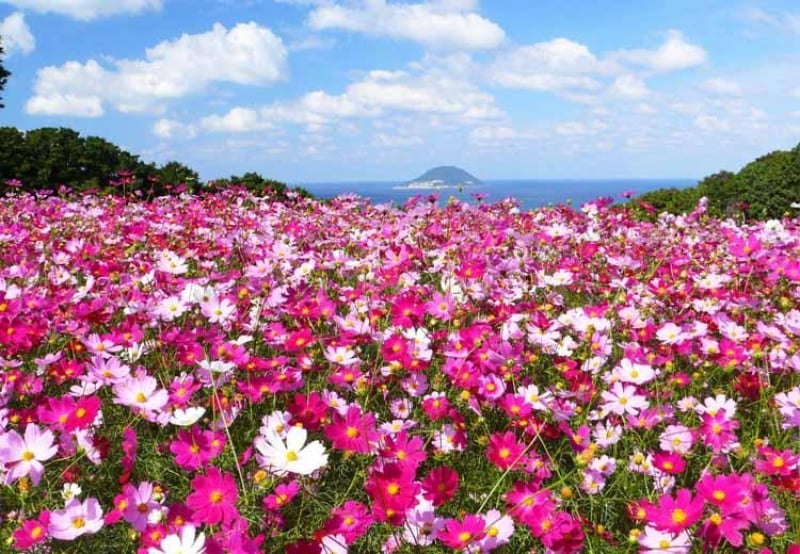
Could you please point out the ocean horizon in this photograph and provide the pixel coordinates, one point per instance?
(530, 193)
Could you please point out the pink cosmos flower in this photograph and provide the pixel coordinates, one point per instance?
(504, 450)
(25, 454)
(76, 519)
(140, 504)
(499, 529)
(141, 394)
(459, 534)
(440, 485)
(281, 496)
(214, 497)
(351, 520)
(622, 399)
(723, 491)
(676, 514)
(32, 532)
(353, 431)
(653, 541)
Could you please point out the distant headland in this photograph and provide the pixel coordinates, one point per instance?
(442, 177)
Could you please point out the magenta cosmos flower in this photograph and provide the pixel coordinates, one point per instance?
(459, 534)
(25, 454)
(676, 514)
(214, 498)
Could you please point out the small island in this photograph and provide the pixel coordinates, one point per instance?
(443, 177)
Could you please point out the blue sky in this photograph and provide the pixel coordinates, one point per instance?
(359, 90)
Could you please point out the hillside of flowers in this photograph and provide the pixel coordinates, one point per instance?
(223, 373)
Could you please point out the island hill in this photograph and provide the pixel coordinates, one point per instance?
(443, 177)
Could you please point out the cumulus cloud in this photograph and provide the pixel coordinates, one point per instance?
(630, 86)
(707, 122)
(86, 10)
(674, 54)
(170, 128)
(16, 35)
(430, 88)
(555, 65)
(439, 25)
(722, 87)
(247, 54)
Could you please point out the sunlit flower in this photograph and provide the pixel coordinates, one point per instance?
(24, 454)
(293, 456)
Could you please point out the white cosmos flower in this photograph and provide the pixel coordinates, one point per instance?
(216, 366)
(187, 417)
(293, 456)
(187, 543)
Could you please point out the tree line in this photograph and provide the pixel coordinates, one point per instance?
(766, 188)
(50, 158)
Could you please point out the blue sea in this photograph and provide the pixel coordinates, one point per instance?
(529, 193)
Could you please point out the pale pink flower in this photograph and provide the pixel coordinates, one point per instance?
(622, 399)
(141, 394)
(25, 454)
(76, 519)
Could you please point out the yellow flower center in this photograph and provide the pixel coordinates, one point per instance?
(78, 523)
(504, 453)
(215, 497)
(464, 536)
(140, 398)
(291, 456)
(352, 432)
(678, 516)
(393, 488)
(27, 456)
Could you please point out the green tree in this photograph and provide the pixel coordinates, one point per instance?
(175, 173)
(12, 153)
(4, 73)
(766, 187)
(52, 158)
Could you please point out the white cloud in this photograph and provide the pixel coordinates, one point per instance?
(645, 109)
(387, 140)
(784, 21)
(571, 128)
(236, 120)
(686, 108)
(247, 54)
(430, 88)
(490, 134)
(795, 92)
(86, 10)
(757, 15)
(554, 65)
(711, 123)
(169, 128)
(442, 25)
(59, 104)
(312, 43)
(630, 86)
(673, 55)
(722, 87)
(16, 35)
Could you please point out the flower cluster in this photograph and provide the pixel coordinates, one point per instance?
(223, 373)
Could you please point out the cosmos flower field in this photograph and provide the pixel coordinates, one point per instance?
(223, 373)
